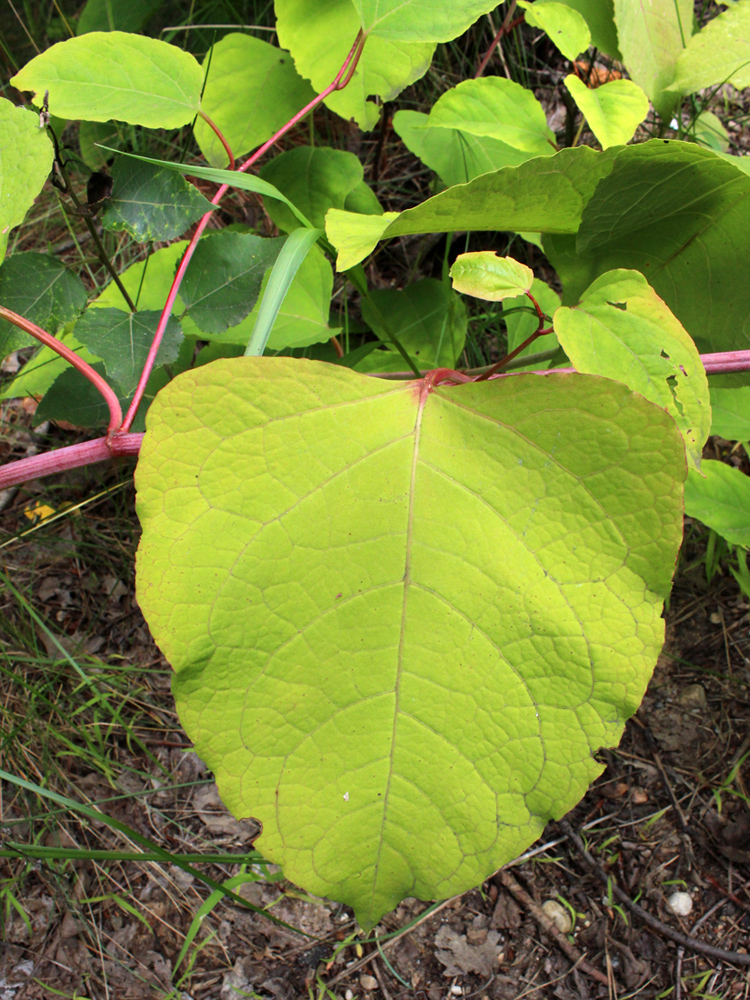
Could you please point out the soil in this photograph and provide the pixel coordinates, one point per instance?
(669, 814)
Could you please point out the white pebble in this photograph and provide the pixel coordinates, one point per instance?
(680, 903)
(348, 995)
(368, 983)
(457, 991)
(559, 915)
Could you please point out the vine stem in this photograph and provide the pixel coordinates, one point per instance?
(341, 79)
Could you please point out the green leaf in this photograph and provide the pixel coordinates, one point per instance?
(366, 589)
(622, 329)
(544, 194)
(720, 498)
(600, 17)
(427, 318)
(564, 25)
(25, 161)
(93, 134)
(122, 341)
(419, 20)
(246, 72)
(146, 281)
(282, 274)
(486, 276)
(319, 35)
(40, 289)
(719, 53)
(693, 250)
(708, 131)
(223, 281)
(614, 110)
(521, 325)
(651, 37)
(112, 74)
(151, 203)
(730, 413)
(314, 178)
(113, 15)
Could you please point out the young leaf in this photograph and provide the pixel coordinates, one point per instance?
(614, 110)
(670, 238)
(730, 413)
(314, 178)
(111, 15)
(39, 288)
(719, 53)
(428, 320)
(651, 37)
(224, 278)
(564, 25)
(319, 35)
(151, 203)
(719, 496)
(246, 72)
(486, 276)
(122, 341)
(545, 194)
(25, 161)
(622, 329)
(401, 620)
(112, 74)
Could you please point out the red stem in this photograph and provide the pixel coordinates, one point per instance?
(110, 398)
(217, 131)
(539, 332)
(341, 79)
(505, 29)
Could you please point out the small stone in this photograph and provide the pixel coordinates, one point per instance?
(558, 914)
(457, 991)
(368, 983)
(680, 903)
(693, 696)
(348, 995)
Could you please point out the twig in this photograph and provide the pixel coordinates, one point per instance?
(505, 29)
(550, 928)
(733, 957)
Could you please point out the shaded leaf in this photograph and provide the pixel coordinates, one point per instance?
(151, 203)
(720, 498)
(122, 341)
(600, 17)
(623, 330)
(719, 53)
(419, 20)
(365, 589)
(91, 134)
(314, 178)
(730, 413)
(247, 73)
(614, 110)
(112, 74)
(41, 370)
(428, 319)
(224, 278)
(25, 161)
(41, 289)
(566, 28)
(113, 15)
(486, 276)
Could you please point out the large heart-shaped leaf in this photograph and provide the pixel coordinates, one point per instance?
(113, 74)
(402, 618)
(25, 161)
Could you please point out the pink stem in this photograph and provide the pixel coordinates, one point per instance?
(343, 77)
(219, 135)
(72, 457)
(110, 398)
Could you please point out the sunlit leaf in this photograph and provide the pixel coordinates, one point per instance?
(25, 161)
(613, 111)
(486, 276)
(720, 498)
(564, 25)
(719, 53)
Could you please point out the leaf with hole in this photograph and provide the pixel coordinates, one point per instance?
(113, 74)
(151, 203)
(246, 73)
(400, 616)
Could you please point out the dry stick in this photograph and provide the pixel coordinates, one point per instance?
(550, 928)
(733, 957)
(505, 29)
(341, 79)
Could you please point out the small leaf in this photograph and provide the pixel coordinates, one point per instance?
(622, 329)
(314, 178)
(614, 110)
(224, 278)
(486, 276)
(151, 203)
(566, 28)
(112, 74)
(41, 289)
(719, 53)
(403, 621)
(25, 161)
(709, 132)
(427, 318)
(122, 341)
(730, 413)
(246, 72)
(719, 496)
(111, 15)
